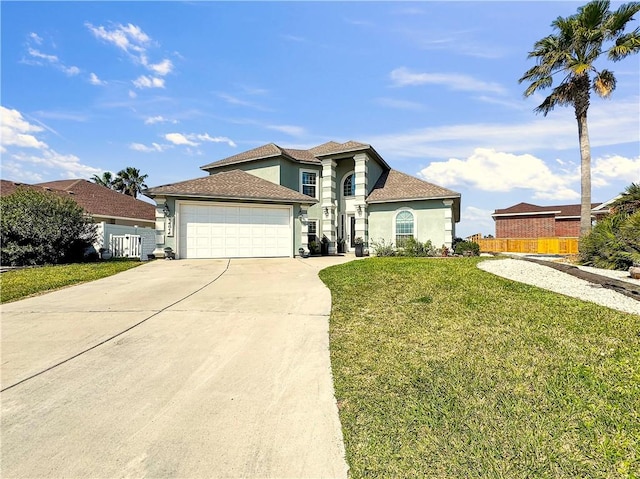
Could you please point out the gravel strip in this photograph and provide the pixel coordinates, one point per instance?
(559, 282)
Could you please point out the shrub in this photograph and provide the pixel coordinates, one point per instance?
(413, 248)
(471, 248)
(42, 228)
(382, 248)
(613, 243)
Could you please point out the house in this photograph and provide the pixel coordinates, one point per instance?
(525, 220)
(101, 203)
(115, 213)
(272, 201)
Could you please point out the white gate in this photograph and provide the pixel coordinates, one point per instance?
(125, 246)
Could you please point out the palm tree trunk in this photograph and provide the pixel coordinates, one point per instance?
(585, 175)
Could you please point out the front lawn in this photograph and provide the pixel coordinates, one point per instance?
(443, 370)
(18, 284)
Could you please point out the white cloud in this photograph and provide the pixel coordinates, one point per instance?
(148, 82)
(129, 38)
(491, 170)
(190, 139)
(52, 60)
(158, 119)
(16, 131)
(71, 71)
(609, 168)
(37, 39)
(216, 139)
(404, 77)
(27, 158)
(610, 123)
(135, 43)
(163, 68)
(132, 94)
(43, 56)
(288, 129)
(179, 139)
(67, 166)
(154, 148)
(94, 80)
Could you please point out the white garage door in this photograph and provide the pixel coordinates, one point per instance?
(234, 231)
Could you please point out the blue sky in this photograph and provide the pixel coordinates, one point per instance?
(167, 87)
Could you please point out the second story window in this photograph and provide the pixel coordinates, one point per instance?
(349, 188)
(309, 180)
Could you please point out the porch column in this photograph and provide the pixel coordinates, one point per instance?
(160, 227)
(448, 223)
(328, 201)
(361, 172)
(304, 228)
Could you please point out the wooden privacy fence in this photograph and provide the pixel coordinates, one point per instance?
(529, 245)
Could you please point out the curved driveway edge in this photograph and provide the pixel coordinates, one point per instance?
(233, 380)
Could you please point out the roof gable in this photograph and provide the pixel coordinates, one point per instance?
(234, 184)
(310, 156)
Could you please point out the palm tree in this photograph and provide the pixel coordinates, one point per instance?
(129, 181)
(628, 202)
(572, 51)
(105, 180)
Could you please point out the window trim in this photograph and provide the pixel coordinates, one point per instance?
(395, 223)
(344, 180)
(316, 186)
(315, 223)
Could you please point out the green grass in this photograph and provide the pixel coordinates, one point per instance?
(21, 283)
(442, 370)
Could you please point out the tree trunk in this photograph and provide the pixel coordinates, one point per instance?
(585, 175)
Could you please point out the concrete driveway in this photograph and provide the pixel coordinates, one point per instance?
(209, 368)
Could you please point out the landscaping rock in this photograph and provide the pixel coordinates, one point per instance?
(634, 272)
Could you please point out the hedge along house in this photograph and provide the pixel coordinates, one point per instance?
(273, 202)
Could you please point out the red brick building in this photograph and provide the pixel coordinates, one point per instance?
(525, 220)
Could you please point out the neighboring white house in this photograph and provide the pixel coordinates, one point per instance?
(273, 201)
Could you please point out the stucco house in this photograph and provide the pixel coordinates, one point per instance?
(272, 201)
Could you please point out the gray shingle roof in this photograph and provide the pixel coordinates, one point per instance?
(313, 155)
(396, 186)
(234, 184)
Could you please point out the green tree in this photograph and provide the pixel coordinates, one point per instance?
(38, 227)
(572, 50)
(105, 180)
(614, 242)
(629, 201)
(130, 182)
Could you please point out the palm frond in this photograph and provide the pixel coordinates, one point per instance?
(604, 83)
(626, 45)
(617, 22)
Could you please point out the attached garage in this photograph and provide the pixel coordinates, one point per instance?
(234, 230)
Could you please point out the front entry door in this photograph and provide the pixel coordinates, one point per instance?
(352, 230)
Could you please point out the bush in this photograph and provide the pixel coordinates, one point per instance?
(42, 228)
(613, 243)
(414, 248)
(382, 248)
(467, 248)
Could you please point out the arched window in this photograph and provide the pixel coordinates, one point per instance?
(404, 227)
(349, 188)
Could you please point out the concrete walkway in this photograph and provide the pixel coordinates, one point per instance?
(214, 368)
